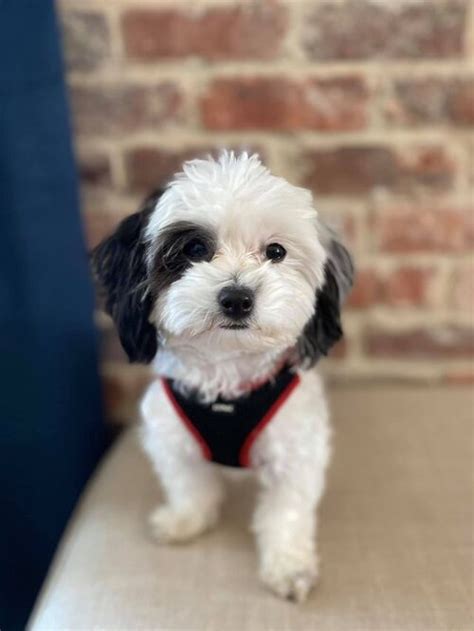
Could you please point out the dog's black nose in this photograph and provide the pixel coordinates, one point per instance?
(236, 302)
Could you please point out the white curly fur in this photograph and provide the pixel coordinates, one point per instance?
(247, 208)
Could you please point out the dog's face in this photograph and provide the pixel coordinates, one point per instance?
(228, 257)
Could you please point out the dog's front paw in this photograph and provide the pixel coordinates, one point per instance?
(289, 577)
(171, 525)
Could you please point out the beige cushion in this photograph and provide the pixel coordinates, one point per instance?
(395, 537)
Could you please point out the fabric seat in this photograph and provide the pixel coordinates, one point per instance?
(395, 535)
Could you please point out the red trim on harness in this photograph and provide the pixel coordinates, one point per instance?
(244, 455)
(206, 452)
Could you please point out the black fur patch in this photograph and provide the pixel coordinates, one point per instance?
(170, 262)
(324, 329)
(130, 292)
(119, 265)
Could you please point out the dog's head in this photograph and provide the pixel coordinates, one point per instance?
(227, 257)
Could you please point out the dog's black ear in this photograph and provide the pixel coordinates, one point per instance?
(119, 266)
(324, 328)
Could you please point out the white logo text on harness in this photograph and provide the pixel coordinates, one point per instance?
(228, 408)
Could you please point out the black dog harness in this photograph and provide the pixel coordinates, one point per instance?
(226, 430)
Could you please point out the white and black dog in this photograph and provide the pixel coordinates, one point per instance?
(230, 285)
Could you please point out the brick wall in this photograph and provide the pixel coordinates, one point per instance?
(370, 104)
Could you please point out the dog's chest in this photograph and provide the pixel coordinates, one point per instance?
(226, 430)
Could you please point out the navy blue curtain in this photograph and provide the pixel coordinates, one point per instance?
(51, 426)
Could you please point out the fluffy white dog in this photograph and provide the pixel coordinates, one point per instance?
(231, 286)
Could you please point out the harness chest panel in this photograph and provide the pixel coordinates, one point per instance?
(227, 429)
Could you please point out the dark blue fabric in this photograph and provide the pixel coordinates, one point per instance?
(51, 426)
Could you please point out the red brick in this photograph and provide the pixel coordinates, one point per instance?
(86, 39)
(360, 169)
(461, 103)
(98, 225)
(403, 286)
(351, 170)
(340, 349)
(424, 229)
(436, 342)
(366, 290)
(278, 103)
(462, 289)
(432, 101)
(425, 167)
(407, 286)
(115, 109)
(94, 169)
(251, 31)
(360, 29)
(459, 378)
(148, 168)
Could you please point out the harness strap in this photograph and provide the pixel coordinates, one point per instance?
(244, 455)
(227, 429)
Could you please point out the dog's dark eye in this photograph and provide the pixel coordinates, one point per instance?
(275, 252)
(196, 250)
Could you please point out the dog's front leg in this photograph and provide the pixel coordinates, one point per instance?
(193, 501)
(192, 485)
(292, 482)
(285, 524)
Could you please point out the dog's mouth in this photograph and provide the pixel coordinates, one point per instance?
(234, 326)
